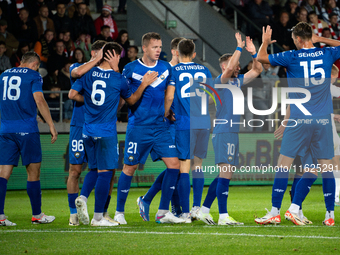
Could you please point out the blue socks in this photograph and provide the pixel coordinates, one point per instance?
(89, 183)
(155, 188)
(107, 203)
(328, 186)
(34, 193)
(197, 186)
(3, 189)
(184, 191)
(303, 188)
(279, 187)
(71, 202)
(222, 191)
(297, 178)
(102, 190)
(168, 187)
(211, 195)
(124, 184)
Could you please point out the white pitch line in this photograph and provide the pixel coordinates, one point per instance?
(164, 233)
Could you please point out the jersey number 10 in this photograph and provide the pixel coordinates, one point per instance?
(11, 87)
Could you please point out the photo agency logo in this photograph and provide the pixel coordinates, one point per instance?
(238, 104)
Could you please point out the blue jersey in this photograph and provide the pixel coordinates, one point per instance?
(225, 111)
(102, 90)
(78, 118)
(149, 109)
(309, 69)
(18, 108)
(190, 100)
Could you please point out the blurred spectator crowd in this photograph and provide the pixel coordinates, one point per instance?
(62, 33)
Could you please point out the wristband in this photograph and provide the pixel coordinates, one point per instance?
(254, 56)
(239, 48)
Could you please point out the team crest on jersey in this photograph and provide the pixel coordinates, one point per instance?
(230, 158)
(77, 154)
(162, 77)
(131, 158)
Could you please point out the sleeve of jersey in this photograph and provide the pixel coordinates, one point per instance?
(241, 78)
(37, 83)
(172, 80)
(279, 59)
(170, 68)
(335, 91)
(127, 74)
(78, 85)
(124, 89)
(335, 53)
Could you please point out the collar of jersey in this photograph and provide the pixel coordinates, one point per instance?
(308, 48)
(104, 70)
(140, 62)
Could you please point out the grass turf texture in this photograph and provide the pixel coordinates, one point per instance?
(138, 237)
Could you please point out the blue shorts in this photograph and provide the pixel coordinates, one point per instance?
(76, 149)
(140, 141)
(102, 152)
(190, 143)
(314, 134)
(12, 145)
(172, 130)
(226, 148)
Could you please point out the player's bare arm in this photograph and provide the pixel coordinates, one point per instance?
(45, 112)
(328, 41)
(262, 57)
(169, 98)
(278, 133)
(148, 79)
(81, 70)
(257, 66)
(234, 60)
(74, 95)
(113, 60)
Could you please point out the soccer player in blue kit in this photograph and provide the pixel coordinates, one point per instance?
(192, 118)
(308, 68)
(77, 154)
(21, 94)
(225, 136)
(147, 131)
(102, 88)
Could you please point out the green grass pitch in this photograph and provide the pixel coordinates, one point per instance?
(138, 237)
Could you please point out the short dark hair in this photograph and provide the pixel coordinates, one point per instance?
(103, 27)
(97, 45)
(30, 57)
(43, 6)
(2, 43)
(148, 36)
(135, 47)
(224, 58)
(24, 9)
(60, 4)
(332, 14)
(186, 47)
(326, 29)
(111, 46)
(174, 42)
(303, 30)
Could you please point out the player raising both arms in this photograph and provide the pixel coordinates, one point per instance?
(102, 89)
(225, 137)
(19, 133)
(308, 68)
